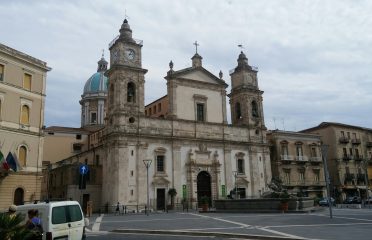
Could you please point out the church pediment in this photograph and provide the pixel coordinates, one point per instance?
(160, 181)
(198, 74)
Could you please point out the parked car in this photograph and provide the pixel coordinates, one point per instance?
(353, 200)
(368, 201)
(324, 201)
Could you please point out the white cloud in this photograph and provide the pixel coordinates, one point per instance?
(313, 56)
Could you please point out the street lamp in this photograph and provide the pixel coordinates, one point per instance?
(324, 150)
(236, 189)
(147, 163)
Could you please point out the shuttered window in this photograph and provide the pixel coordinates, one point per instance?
(27, 81)
(25, 115)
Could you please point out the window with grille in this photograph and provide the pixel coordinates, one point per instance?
(160, 163)
(200, 112)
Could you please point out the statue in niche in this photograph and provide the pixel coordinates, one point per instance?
(202, 147)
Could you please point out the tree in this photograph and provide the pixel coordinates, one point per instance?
(11, 227)
(172, 193)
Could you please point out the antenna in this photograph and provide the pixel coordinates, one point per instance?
(274, 123)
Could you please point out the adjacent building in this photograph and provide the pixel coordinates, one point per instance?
(22, 103)
(348, 158)
(296, 160)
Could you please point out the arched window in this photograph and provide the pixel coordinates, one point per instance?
(19, 196)
(22, 155)
(254, 109)
(131, 92)
(238, 110)
(25, 115)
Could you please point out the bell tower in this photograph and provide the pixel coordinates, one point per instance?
(126, 78)
(125, 106)
(246, 98)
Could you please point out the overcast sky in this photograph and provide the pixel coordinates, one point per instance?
(314, 57)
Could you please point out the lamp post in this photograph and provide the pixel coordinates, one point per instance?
(324, 150)
(147, 163)
(236, 189)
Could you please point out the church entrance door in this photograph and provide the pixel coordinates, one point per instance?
(160, 199)
(204, 186)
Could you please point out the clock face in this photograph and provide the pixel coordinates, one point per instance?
(130, 54)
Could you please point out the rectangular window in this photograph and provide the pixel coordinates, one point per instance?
(155, 109)
(313, 152)
(342, 134)
(285, 150)
(287, 177)
(150, 111)
(351, 151)
(299, 150)
(1, 72)
(348, 135)
(93, 117)
(354, 135)
(160, 163)
(200, 112)
(344, 151)
(240, 166)
(97, 160)
(76, 147)
(356, 153)
(302, 177)
(159, 107)
(27, 81)
(316, 177)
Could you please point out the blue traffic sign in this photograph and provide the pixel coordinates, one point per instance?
(83, 169)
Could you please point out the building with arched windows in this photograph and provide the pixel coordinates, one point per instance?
(22, 101)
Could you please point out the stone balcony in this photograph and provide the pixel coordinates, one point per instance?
(343, 140)
(355, 141)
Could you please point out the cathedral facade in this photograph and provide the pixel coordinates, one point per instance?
(191, 148)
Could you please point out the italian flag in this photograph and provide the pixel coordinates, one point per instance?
(3, 162)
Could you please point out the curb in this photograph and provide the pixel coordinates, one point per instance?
(193, 233)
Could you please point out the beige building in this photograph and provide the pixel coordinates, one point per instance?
(296, 160)
(22, 101)
(349, 157)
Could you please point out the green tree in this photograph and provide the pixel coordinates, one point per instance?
(11, 227)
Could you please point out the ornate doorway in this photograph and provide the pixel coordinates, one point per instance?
(204, 186)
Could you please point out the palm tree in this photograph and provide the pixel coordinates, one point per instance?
(11, 227)
(172, 192)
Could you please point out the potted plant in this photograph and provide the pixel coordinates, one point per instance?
(172, 193)
(284, 199)
(204, 203)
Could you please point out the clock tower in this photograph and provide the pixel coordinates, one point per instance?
(126, 77)
(125, 107)
(246, 98)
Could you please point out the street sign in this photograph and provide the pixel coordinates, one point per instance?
(83, 169)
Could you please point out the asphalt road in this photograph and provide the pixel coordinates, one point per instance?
(346, 224)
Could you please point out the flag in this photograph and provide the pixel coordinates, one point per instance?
(11, 162)
(3, 163)
(19, 167)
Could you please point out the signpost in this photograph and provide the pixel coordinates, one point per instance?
(83, 171)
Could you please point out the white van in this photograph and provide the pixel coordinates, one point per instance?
(61, 220)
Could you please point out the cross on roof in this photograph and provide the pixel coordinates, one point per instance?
(196, 46)
(103, 53)
(241, 46)
(125, 14)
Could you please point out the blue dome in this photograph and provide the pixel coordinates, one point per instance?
(96, 83)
